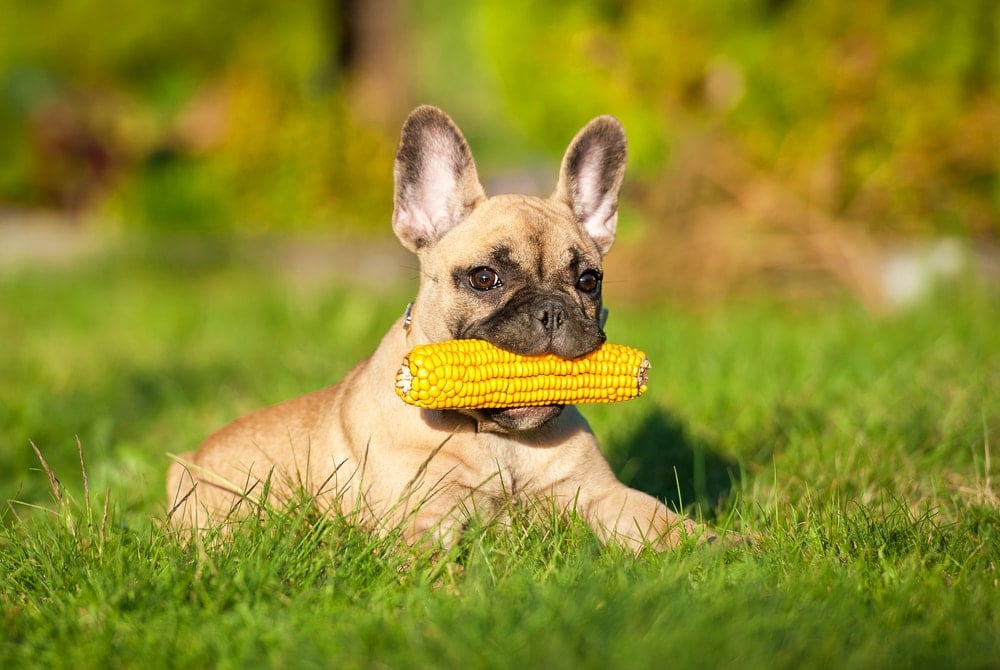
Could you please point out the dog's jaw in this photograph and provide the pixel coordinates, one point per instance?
(514, 419)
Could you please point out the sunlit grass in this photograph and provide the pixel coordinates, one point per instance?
(857, 448)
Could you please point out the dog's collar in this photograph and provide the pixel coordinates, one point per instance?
(408, 317)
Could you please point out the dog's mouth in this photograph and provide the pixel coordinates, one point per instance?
(517, 418)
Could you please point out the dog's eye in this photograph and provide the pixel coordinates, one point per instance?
(589, 282)
(483, 279)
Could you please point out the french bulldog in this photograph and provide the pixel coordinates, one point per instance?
(519, 271)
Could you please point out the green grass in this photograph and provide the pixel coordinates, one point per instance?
(856, 446)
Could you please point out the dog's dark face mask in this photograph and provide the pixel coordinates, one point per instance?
(536, 323)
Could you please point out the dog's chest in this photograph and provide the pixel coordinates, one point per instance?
(516, 470)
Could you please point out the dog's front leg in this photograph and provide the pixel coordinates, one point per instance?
(637, 520)
(435, 506)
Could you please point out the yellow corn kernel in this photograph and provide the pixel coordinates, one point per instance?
(470, 374)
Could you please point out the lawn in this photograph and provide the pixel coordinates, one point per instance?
(856, 447)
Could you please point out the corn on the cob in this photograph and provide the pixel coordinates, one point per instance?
(469, 374)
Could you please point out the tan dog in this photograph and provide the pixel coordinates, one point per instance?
(521, 272)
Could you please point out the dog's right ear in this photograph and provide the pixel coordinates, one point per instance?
(436, 180)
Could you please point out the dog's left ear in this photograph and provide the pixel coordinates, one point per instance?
(591, 176)
(437, 185)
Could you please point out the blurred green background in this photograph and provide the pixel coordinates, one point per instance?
(767, 137)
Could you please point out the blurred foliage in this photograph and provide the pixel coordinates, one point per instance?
(253, 115)
(200, 116)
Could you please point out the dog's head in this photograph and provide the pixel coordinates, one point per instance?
(521, 272)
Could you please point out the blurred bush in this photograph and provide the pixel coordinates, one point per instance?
(199, 116)
(266, 115)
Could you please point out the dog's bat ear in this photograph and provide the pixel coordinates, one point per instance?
(436, 180)
(591, 176)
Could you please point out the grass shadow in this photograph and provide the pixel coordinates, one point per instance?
(661, 458)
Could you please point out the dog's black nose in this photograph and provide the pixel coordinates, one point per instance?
(551, 315)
